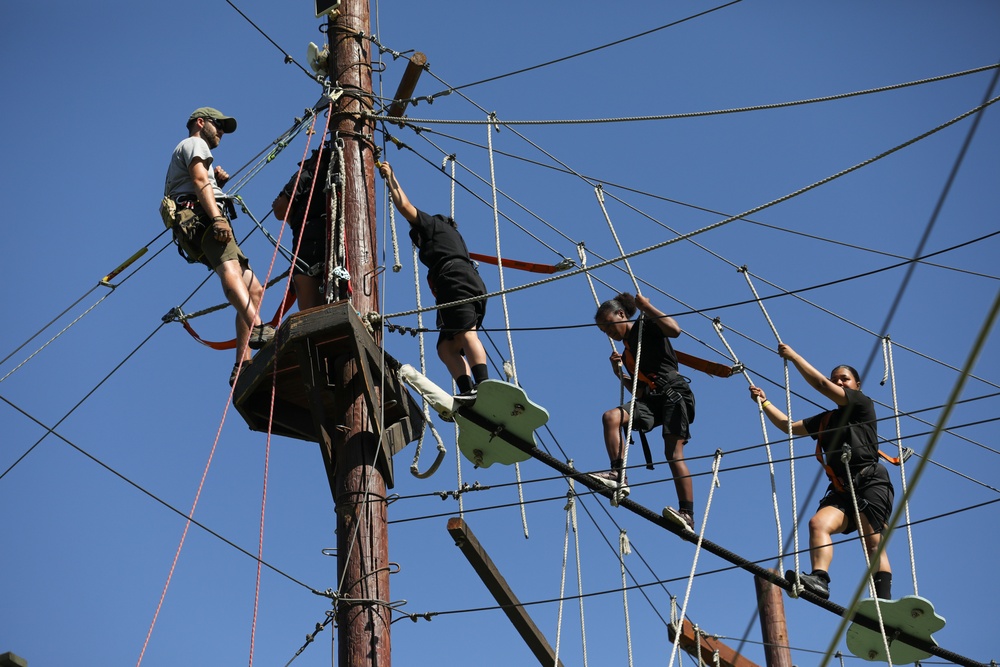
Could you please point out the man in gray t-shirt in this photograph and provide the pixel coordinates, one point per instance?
(193, 182)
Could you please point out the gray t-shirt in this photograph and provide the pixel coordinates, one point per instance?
(178, 181)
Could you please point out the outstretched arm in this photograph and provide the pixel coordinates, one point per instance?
(665, 323)
(816, 380)
(399, 198)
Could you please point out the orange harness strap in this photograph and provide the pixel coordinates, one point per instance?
(704, 365)
(533, 267)
(231, 344)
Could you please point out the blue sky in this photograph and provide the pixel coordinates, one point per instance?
(97, 99)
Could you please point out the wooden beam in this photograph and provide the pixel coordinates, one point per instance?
(727, 656)
(497, 585)
(407, 84)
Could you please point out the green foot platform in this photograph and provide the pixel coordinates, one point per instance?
(911, 614)
(506, 409)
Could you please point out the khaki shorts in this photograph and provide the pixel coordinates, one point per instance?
(206, 249)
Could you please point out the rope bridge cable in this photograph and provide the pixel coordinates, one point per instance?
(717, 324)
(726, 221)
(624, 549)
(718, 112)
(103, 282)
(791, 438)
(609, 184)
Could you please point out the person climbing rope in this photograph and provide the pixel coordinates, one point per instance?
(663, 396)
(195, 207)
(291, 205)
(851, 426)
(452, 277)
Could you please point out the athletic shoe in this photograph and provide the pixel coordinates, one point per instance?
(610, 480)
(261, 335)
(682, 517)
(237, 369)
(465, 398)
(812, 583)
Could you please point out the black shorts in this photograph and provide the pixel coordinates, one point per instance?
(457, 280)
(312, 249)
(875, 497)
(652, 410)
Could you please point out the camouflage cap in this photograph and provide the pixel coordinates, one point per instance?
(228, 123)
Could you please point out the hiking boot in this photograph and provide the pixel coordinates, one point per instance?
(237, 369)
(261, 335)
(609, 479)
(681, 517)
(811, 582)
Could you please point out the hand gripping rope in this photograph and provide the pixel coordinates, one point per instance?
(791, 439)
(717, 323)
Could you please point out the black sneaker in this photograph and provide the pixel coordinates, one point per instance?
(811, 582)
(261, 335)
(465, 398)
(681, 517)
(609, 479)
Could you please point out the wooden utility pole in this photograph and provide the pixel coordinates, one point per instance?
(363, 616)
(773, 628)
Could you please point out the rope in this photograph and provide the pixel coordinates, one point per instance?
(716, 112)
(791, 437)
(442, 450)
(396, 266)
(582, 253)
(726, 221)
(512, 372)
(697, 552)
(717, 323)
(846, 458)
(579, 571)
(562, 579)
(624, 549)
(599, 191)
(891, 373)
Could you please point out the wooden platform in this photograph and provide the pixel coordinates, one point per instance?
(299, 363)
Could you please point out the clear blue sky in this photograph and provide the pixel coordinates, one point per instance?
(97, 96)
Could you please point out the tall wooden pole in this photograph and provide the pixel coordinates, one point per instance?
(773, 628)
(363, 616)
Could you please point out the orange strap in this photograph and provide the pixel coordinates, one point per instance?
(516, 264)
(704, 365)
(231, 344)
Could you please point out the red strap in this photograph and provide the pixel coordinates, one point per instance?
(516, 264)
(286, 304)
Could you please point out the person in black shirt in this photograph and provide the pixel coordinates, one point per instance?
(452, 277)
(663, 396)
(852, 424)
(307, 217)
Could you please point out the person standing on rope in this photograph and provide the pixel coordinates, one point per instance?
(850, 427)
(663, 396)
(308, 225)
(452, 277)
(202, 228)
